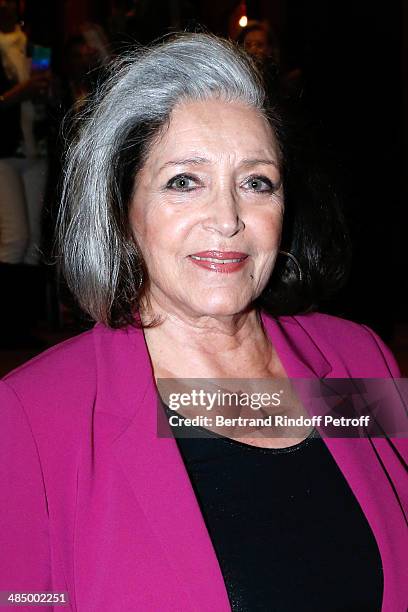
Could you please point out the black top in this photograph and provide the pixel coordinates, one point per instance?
(288, 531)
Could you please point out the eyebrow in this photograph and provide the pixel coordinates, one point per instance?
(185, 162)
(258, 161)
(202, 160)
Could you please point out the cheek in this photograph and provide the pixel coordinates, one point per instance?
(161, 235)
(146, 226)
(267, 229)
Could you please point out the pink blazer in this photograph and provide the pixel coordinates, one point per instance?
(95, 504)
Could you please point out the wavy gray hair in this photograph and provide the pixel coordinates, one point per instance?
(98, 254)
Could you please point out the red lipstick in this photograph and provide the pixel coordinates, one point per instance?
(220, 261)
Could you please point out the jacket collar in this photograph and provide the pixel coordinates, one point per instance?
(297, 351)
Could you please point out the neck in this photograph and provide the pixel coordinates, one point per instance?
(205, 347)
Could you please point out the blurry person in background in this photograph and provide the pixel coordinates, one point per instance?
(261, 43)
(22, 180)
(22, 156)
(84, 55)
(82, 61)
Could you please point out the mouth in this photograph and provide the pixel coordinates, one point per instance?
(220, 261)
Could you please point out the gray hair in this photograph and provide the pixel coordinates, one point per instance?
(98, 254)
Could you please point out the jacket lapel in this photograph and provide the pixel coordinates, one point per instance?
(155, 470)
(299, 354)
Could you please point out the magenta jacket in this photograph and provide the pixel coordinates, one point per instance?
(93, 503)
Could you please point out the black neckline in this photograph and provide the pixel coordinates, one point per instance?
(211, 435)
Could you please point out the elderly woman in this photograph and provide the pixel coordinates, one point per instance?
(174, 212)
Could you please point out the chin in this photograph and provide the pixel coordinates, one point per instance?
(221, 308)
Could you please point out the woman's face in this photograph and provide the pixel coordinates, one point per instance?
(207, 209)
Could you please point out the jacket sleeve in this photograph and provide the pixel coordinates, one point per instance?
(25, 565)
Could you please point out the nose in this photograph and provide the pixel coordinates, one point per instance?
(224, 215)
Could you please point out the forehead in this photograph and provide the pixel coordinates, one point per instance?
(214, 128)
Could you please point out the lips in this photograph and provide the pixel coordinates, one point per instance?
(220, 261)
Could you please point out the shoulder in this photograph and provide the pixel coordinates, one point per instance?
(356, 345)
(321, 323)
(71, 357)
(52, 389)
(359, 351)
(74, 360)
(76, 393)
(63, 378)
(60, 385)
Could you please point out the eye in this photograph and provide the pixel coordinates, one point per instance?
(259, 184)
(182, 182)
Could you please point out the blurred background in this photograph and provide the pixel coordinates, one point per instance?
(340, 73)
